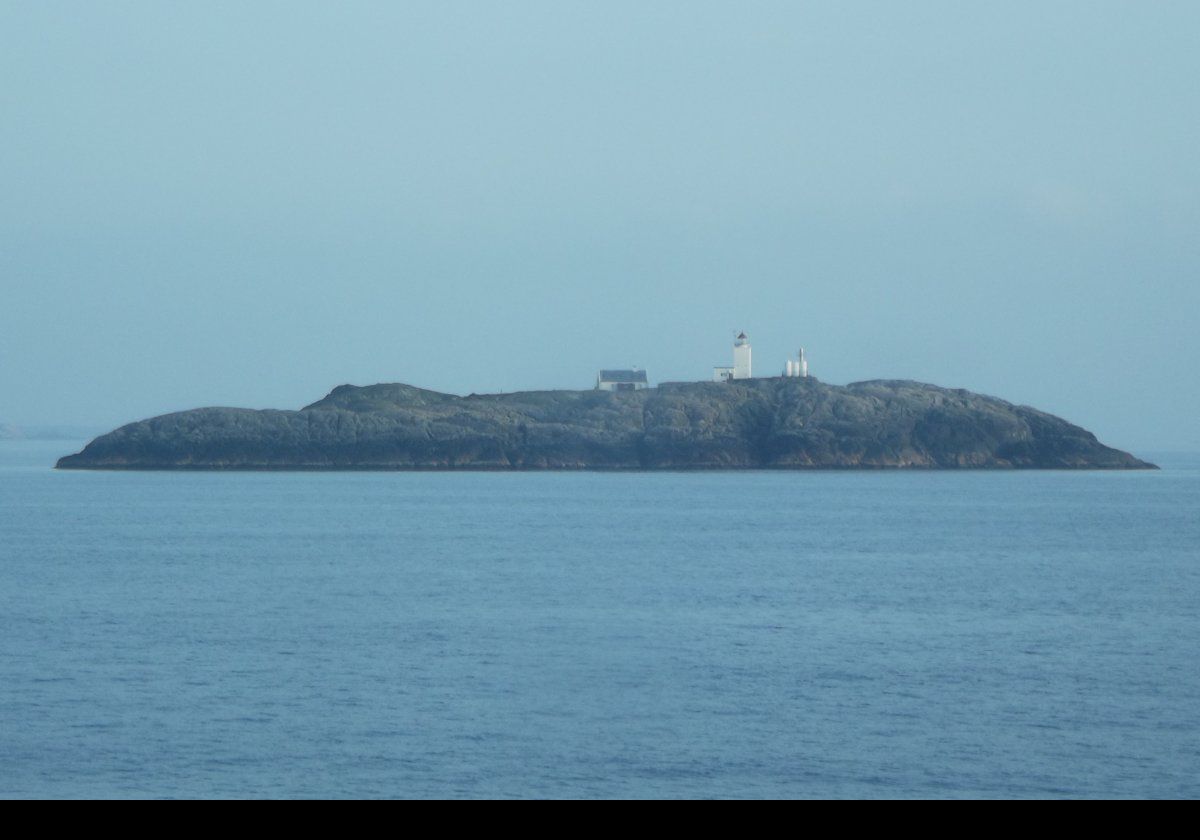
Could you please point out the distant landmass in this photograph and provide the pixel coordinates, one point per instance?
(775, 423)
(10, 432)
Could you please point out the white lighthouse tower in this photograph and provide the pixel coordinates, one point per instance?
(741, 361)
(741, 357)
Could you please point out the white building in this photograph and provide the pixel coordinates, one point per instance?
(741, 361)
(621, 380)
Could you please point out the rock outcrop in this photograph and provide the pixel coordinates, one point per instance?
(775, 423)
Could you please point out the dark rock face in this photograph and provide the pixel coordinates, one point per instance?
(748, 424)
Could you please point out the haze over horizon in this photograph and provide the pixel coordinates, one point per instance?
(249, 204)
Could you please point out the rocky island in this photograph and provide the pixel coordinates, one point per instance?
(772, 423)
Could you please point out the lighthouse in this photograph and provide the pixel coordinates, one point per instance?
(741, 357)
(741, 361)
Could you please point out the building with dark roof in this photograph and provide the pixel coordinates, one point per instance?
(621, 380)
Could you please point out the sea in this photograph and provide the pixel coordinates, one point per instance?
(598, 635)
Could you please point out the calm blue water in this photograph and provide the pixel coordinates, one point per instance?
(547, 635)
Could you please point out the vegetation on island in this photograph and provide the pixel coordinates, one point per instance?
(774, 423)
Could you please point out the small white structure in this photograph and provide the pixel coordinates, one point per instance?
(798, 368)
(741, 361)
(621, 380)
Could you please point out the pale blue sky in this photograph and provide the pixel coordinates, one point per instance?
(249, 203)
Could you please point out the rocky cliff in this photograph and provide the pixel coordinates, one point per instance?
(749, 424)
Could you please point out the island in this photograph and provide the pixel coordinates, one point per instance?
(764, 423)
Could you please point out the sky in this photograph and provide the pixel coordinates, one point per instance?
(250, 203)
